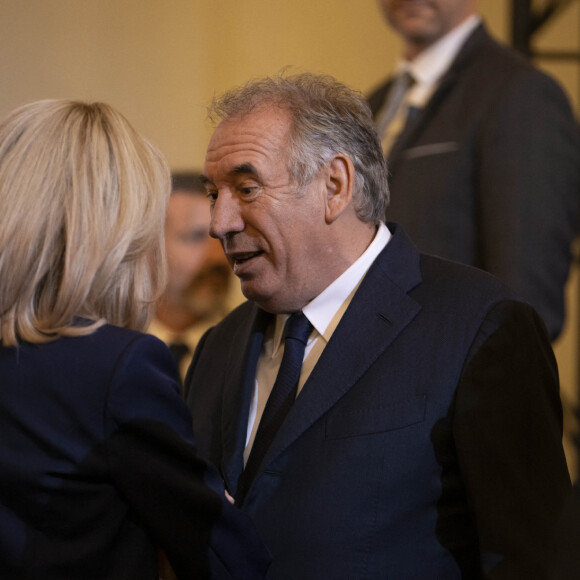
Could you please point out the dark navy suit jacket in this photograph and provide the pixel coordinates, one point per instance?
(98, 468)
(426, 443)
(488, 173)
(567, 562)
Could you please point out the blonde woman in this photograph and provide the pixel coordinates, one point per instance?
(97, 459)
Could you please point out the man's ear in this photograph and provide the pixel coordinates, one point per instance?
(339, 186)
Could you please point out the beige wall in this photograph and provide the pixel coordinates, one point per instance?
(563, 34)
(160, 61)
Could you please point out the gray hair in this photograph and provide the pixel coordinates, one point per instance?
(328, 118)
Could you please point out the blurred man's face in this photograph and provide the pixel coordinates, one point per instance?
(423, 22)
(197, 266)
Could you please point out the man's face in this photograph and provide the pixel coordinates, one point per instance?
(423, 22)
(271, 230)
(190, 250)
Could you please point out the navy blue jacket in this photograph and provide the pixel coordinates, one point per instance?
(98, 468)
(426, 443)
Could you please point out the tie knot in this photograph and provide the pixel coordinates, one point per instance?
(298, 327)
(179, 350)
(406, 79)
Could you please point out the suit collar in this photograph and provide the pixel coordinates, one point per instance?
(429, 66)
(475, 43)
(238, 391)
(322, 310)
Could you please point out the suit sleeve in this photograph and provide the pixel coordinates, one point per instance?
(508, 428)
(528, 177)
(171, 492)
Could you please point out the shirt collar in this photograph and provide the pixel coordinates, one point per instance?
(431, 64)
(324, 307)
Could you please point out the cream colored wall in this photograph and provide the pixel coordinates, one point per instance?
(563, 33)
(161, 61)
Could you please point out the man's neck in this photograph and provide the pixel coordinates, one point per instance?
(412, 48)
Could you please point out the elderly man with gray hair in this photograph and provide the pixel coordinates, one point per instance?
(379, 413)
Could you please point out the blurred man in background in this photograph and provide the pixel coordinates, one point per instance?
(200, 285)
(483, 152)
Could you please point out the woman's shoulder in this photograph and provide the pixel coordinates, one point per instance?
(101, 348)
(114, 337)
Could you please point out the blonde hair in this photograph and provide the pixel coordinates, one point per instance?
(82, 198)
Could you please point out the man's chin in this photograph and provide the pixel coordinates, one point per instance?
(257, 294)
(249, 290)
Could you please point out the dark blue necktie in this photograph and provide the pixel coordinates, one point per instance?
(281, 398)
(179, 350)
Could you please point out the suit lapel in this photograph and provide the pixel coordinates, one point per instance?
(479, 37)
(379, 311)
(238, 392)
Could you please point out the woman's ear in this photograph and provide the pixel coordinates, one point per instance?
(339, 186)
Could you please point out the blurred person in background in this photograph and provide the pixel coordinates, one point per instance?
(483, 152)
(98, 461)
(200, 284)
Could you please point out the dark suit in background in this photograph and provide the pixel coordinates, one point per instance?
(425, 444)
(567, 562)
(99, 468)
(488, 173)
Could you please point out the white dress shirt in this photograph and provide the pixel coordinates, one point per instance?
(431, 64)
(324, 313)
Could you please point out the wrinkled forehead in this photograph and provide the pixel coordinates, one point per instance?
(256, 139)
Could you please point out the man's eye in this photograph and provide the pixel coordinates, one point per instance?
(212, 195)
(248, 190)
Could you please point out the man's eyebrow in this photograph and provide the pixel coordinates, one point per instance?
(246, 168)
(242, 169)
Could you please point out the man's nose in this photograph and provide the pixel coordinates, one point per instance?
(226, 216)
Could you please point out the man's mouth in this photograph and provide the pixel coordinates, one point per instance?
(243, 256)
(239, 259)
